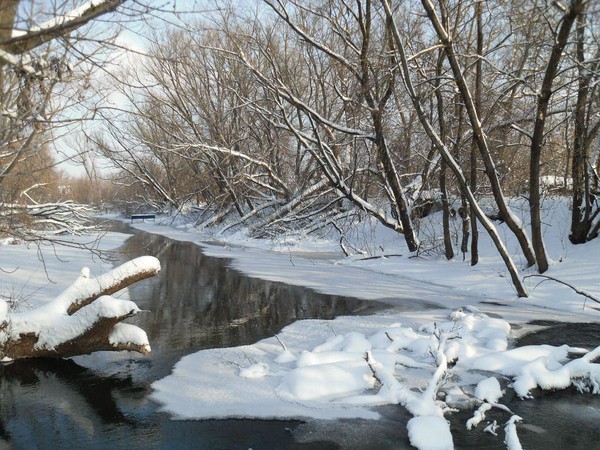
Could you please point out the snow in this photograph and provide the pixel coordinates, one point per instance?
(125, 333)
(49, 319)
(64, 20)
(321, 382)
(430, 433)
(427, 360)
(446, 341)
(478, 415)
(341, 375)
(55, 329)
(512, 440)
(255, 371)
(489, 390)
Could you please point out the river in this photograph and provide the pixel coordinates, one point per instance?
(197, 302)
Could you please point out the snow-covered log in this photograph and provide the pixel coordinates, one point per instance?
(81, 320)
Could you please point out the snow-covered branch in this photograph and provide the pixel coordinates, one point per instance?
(564, 283)
(23, 41)
(83, 319)
(38, 221)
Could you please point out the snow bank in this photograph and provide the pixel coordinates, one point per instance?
(341, 368)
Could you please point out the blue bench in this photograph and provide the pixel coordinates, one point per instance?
(142, 217)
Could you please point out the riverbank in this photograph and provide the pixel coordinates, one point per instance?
(272, 378)
(388, 260)
(227, 383)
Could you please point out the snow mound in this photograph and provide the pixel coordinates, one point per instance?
(372, 361)
(430, 433)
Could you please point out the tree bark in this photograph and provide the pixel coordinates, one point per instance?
(537, 139)
(81, 320)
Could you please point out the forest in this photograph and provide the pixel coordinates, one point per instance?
(305, 115)
(311, 115)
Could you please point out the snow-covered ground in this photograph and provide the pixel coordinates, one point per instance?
(33, 275)
(428, 359)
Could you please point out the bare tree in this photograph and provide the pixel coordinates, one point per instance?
(357, 50)
(37, 86)
(446, 154)
(311, 112)
(445, 36)
(585, 223)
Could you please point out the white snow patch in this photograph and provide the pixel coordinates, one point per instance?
(512, 439)
(430, 433)
(489, 390)
(258, 370)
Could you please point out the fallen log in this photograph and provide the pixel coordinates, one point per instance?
(82, 319)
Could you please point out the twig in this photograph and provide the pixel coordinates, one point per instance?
(378, 257)
(368, 359)
(579, 291)
(280, 342)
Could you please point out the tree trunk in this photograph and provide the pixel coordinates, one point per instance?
(582, 205)
(537, 139)
(397, 190)
(465, 212)
(448, 249)
(473, 153)
(81, 320)
(509, 217)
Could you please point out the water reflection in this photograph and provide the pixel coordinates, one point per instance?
(60, 405)
(199, 302)
(195, 302)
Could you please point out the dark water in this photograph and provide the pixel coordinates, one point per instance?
(195, 302)
(199, 302)
(563, 419)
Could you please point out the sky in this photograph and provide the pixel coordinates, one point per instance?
(133, 35)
